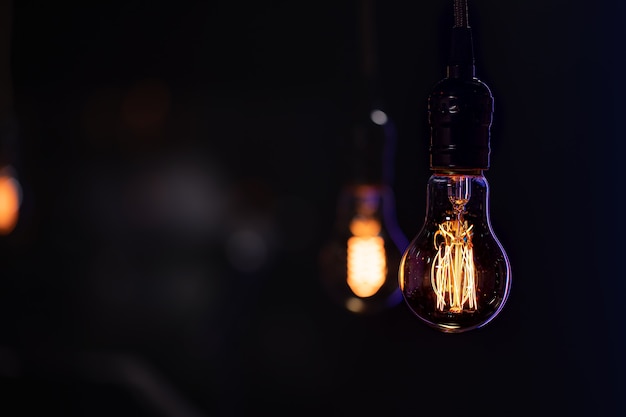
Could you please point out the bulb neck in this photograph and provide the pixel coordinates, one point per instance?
(358, 196)
(451, 172)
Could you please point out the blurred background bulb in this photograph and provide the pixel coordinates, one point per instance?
(455, 275)
(359, 263)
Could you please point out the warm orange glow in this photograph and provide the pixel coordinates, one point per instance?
(9, 203)
(367, 265)
(365, 227)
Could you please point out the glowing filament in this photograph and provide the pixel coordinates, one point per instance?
(367, 265)
(453, 274)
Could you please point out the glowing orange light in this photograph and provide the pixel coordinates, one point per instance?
(367, 266)
(453, 274)
(9, 203)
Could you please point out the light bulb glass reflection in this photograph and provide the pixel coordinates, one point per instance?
(455, 275)
(359, 265)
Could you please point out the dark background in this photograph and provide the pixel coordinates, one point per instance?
(179, 168)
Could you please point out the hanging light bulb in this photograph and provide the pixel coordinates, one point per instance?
(455, 275)
(359, 263)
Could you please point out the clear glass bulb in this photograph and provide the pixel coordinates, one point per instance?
(359, 263)
(455, 275)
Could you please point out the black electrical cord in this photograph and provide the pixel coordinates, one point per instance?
(461, 59)
(460, 106)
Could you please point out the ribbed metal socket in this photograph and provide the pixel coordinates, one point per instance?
(460, 112)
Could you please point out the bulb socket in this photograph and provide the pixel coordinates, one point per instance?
(363, 152)
(460, 112)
